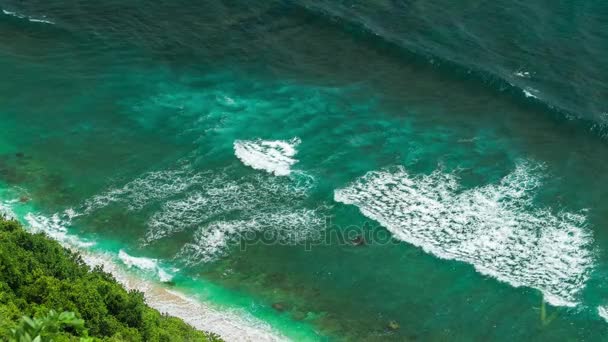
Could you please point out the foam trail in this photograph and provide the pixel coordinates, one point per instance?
(495, 228)
(275, 157)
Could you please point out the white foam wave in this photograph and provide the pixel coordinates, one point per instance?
(496, 228)
(32, 19)
(145, 264)
(164, 276)
(56, 227)
(523, 74)
(188, 199)
(273, 156)
(153, 186)
(218, 197)
(6, 210)
(288, 227)
(138, 262)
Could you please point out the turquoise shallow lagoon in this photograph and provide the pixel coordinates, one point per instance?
(386, 170)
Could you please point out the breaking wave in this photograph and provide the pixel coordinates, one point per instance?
(275, 157)
(495, 228)
(145, 264)
(55, 226)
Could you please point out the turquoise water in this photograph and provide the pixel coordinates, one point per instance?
(238, 152)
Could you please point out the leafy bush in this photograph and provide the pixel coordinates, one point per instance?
(47, 328)
(38, 275)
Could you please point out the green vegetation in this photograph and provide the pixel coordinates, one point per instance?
(37, 276)
(47, 328)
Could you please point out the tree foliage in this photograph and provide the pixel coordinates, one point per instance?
(37, 275)
(48, 328)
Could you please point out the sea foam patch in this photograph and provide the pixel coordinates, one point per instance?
(273, 156)
(496, 228)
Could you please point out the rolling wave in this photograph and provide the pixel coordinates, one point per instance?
(496, 228)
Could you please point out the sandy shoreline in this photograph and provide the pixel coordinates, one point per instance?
(230, 325)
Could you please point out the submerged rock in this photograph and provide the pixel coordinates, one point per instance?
(24, 199)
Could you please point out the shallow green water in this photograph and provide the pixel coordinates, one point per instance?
(245, 147)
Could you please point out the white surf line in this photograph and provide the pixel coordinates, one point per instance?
(495, 228)
(231, 325)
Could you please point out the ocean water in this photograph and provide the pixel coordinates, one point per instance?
(229, 158)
